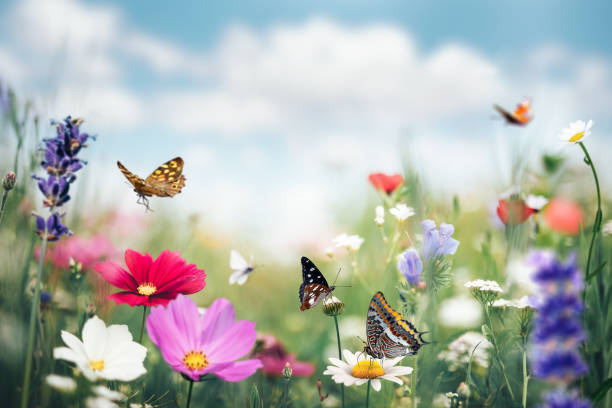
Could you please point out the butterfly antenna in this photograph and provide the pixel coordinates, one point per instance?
(338, 274)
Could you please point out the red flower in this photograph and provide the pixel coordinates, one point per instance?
(564, 215)
(513, 211)
(149, 282)
(384, 182)
(273, 356)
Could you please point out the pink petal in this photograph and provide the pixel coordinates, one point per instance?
(235, 343)
(139, 265)
(164, 333)
(219, 317)
(116, 276)
(191, 280)
(167, 267)
(239, 370)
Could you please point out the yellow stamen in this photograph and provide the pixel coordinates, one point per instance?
(97, 365)
(576, 137)
(147, 289)
(367, 369)
(195, 360)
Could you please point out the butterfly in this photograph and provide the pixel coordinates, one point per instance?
(314, 287)
(520, 116)
(165, 181)
(242, 268)
(388, 334)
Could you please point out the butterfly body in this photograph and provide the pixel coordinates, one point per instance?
(165, 181)
(521, 115)
(242, 268)
(388, 334)
(314, 287)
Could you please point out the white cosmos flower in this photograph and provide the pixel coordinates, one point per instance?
(380, 215)
(105, 352)
(536, 202)
(354, 372)
(401, 212)
(576, 131)
(61, 383)
(107, 393)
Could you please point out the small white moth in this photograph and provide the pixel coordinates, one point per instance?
(242, 269)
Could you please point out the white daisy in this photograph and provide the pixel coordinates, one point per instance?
(576, 131)
(401, 212)
(380, 215)
(61, 383)
(359, 369)
(536, 202)
(105, 352)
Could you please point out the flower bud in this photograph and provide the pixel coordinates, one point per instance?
(287, 371)
(8, 182)
(464, 390)
(332, 306)
(329, 251)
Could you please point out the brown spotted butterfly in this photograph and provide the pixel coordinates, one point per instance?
(314, 287)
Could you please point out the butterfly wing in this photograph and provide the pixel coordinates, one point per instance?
(241, 268)
(375, 326)
(314, 287)
(168, 179)
(521, 113)
(509, 117)
(138, 183)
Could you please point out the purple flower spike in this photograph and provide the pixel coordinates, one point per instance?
(197, 345)
(410, 265)
(437, 243)
(55, 228)
(561, 399)
(55, 190)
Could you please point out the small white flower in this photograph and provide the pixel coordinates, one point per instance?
(350, 242)
(341, 241)
(401, 212)
(380, 215)
(576, 131)
(359, 372)
(459, 351)
(521, 303)
(61, 383)
(607, 228)
(329, 251)
(107, 393)
(100, 402)
(484, 285)
(105, 352)
(536, 202)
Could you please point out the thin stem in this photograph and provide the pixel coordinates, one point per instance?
(368, 395)
(394, 240)
(525, 377)
(4, 197)
(598, 215)
(25, 392)
(339, 355)
(495, 346)
(286, 393)
(142, 325)
(189, 393)
(413, 381)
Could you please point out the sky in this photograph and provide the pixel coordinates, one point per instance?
(281, 108)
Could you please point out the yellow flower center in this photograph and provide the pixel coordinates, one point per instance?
(97, 365)
(195, 360)
(367, 369)
(576, 137)
(147, 289)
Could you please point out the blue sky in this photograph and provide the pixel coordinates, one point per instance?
(281, 109)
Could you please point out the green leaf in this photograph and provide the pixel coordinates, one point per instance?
(486, 331)
(602, 390)
(255, 399)
(596, 271)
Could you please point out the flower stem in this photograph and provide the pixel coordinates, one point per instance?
(496, 348)
(25, 391)
(142, 325)
(286, 393)
(339, 355)
(368, 395)
(598, 215)
(525, 378)
(4, 197)
(189, 393)
(394, 240)
(413, 381)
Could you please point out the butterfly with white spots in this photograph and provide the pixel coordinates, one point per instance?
(314, 287)
(242, 269)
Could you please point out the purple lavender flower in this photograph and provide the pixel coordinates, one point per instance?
(55, 228)
(437, 243)
(561, 399)
(557, 329)
(410, 265)
(55, 190)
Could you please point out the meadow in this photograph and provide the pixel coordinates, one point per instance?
(505, 304)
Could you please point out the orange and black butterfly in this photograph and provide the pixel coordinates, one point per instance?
(165, 181)
(521, 115)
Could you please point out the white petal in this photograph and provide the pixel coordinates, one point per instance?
(108, 393)
(391, 362)
(349, 357)
(391, 378)
(399, 370)
(75, 345)
(376, 384)
(64, 353)
(338, 363)
(94, 338)
(360, 381)
(61, 383)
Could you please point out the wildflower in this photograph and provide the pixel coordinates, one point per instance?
(55, 228)
(410, 265)
(61, 383)
(358, 372)
(196, 346)
(45, 300)
(107, 393)
(55, 189)
(332, 306)
(606, 230)
(105, 353)
(402, 212)
(8, 182)
(287, 371)
(380, 215)
(82, 253)
(437, 243)
(459, 352)
(350, 242)
(149, 282)
(484, 285)
(273, 356)
(576, 131)
(561, 399)
(513, 211)
(386, 183)
(536, 202)
(522, 303)
(564, 215)
(557, 332)
(464, 390)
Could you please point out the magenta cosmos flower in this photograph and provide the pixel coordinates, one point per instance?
(196, 345)
(149, 282)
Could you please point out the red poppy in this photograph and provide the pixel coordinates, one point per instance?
(564, 215)
(150, 282)
(513, 211)
(386, 183)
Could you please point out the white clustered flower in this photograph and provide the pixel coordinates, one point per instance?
(105, 353)
(355, 372)
(402, 212)
(380, 215)
(484, 285)
(61, 383)
(576, 131)
(607, 228)
(536, 202)
(350, 242)
(459, 351)
(521, 303)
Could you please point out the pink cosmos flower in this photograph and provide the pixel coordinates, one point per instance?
(87, 252)
(150, 282)
(197, 345)
(274, 357)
